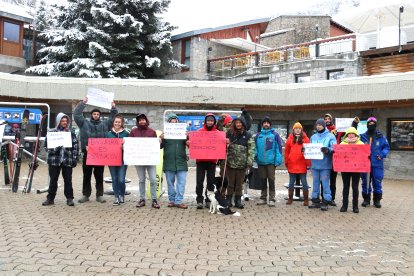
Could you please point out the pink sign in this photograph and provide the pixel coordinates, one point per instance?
(104, 152)
(208, 145)
(351, 158)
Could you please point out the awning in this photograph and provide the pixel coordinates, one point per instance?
(241, 44)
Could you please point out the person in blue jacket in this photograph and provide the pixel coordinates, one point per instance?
(268, 156)
(379, 150)
(321, 168)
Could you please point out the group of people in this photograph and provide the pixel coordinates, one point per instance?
(243, 150)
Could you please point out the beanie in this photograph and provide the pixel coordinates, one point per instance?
(321, 122)
(297, 125)
(266, 119)
(328, 115)
(95, 110)
(227, 120)
(372, 119)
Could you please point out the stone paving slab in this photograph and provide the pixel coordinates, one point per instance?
(101, 239)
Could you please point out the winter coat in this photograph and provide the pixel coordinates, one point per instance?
(60, 156)
(112, 134)
(175, 155)
(354, 131)
(241, 150)
(327, 139)
(143, 131)
(90, 128)
(267, 148)
(379, 147)
(204, 128)
(294, 159)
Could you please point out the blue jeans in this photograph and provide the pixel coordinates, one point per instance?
(176, 194)
(152, 173)
(118, 179)
(375, 177)
(292, 180)
(321, 176)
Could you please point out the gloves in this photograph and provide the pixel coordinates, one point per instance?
(325, 150)
(356, 119)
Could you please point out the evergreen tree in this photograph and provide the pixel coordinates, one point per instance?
(108, 39)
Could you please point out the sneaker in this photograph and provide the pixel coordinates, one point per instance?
(171, 204)
(122, 200)
(208, 204)
(141, 203)
(83, 199)
(70, 202)
(116, 202)
(261, 202)
(100, 199)
(48, 202)
(155, 204)
(271, 203)
(181, 206)
(200, 205)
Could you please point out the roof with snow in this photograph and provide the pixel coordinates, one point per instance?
(15, 12)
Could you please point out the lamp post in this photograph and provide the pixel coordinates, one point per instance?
(255, 53)
(399, 28)
(316, 40)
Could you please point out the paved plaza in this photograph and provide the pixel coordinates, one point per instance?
(95, 238)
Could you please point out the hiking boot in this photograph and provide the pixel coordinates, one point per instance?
(140, 203)
(271, 203)
(48, 202)
(228, 200)
(83, 199)
(377, 200)
(70, 202)
(332, 203)
(367, 200)
(306, 198)
(355, 210)
(200, 205)
(238, 203)
(343, 209)
(155, 204)
(324, 205)
(290, 198)
(100, 199)
(171, 204)
(261, 202)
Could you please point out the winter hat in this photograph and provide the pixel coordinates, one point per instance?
(371, 119)
(172, 116)
(227, 120)
(321, 122)
(142, 115)
(328, 115)
(266, 119)
(297, 125)
(96, 110)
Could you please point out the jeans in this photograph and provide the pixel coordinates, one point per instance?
(152, 172)
(176, 193)
(98, 172)
(118, 179)
(292, 180)
(321, 176)
(202, 169)
(267, 174)
(54, 172)
(375, 177)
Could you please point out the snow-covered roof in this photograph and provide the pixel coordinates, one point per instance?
(15, 12)
(241, 44)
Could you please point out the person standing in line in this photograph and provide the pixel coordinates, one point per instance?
(92, 128)
(268, 157)
(379, 150)
(118, 172)
(62, 159)
(144, 131)
(175, 167)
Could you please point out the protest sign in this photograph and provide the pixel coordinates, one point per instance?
(351, 158)
(141, 151)
(362, 127)
(2, 127)
(207, 145)
(342, 124)
(313, 151)
(175, 131)
(100, 98)
(104, 152)
(59, 139)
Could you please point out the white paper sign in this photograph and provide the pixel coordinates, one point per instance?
(141, 151)
(313, 151)
(2, 127)
(342, 124)
(175, 131)
(100, 98)
(59, 139)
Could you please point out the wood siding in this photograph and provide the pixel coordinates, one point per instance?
(388, 64)
(337, 31)
(241, 31)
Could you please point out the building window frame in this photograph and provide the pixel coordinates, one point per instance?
(330, 74)
(400, 133)
(3, 33)
(186, 53)
(302, 77)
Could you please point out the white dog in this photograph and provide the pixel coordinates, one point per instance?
(218, 205)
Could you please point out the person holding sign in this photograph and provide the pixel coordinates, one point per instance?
(118, 172)
(268, 156)
(61, 159)
(296, 163)
(321, 168)
(379, 150)
(175, 167)
(351, 137)
(144, 131)
(92, 128)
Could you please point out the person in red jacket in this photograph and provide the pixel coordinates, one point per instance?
(296, 163)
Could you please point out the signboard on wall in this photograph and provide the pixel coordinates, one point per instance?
(14, 115)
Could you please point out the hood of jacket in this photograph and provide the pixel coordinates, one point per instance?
(172, 116)
(59, 118)
(141, 115)
(205, 121)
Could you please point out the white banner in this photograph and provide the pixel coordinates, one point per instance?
(141, 151)
(100, 98)
(175, 131)
(313, 151)
(342, 124)
(59, 139)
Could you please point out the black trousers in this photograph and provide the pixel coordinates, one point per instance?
(346, 179)
(54, 172)
(98, 172)
(202, 169)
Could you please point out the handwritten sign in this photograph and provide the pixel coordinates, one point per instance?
(313, 151)
(351, 158)
(207, 145)
(362, 127)
(175, 131)
(100, 98)
(141, 151)
(59, 139)
(104, 152)
(342, 124)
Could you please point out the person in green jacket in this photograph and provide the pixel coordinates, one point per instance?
(175, 167)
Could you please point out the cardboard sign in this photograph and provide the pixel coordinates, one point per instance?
(141, 151)
(100, 98)
(104, 152)
(342, 124)
(207, 145)
(351, 158)
(313, 151)
(59, 139)
(175, 131)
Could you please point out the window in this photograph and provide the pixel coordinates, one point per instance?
(186, 52)
(259, 80)
(11, 32)
(335, 74)
(301, 78)
(401, 134)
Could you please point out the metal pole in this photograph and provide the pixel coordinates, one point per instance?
(399, 28)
